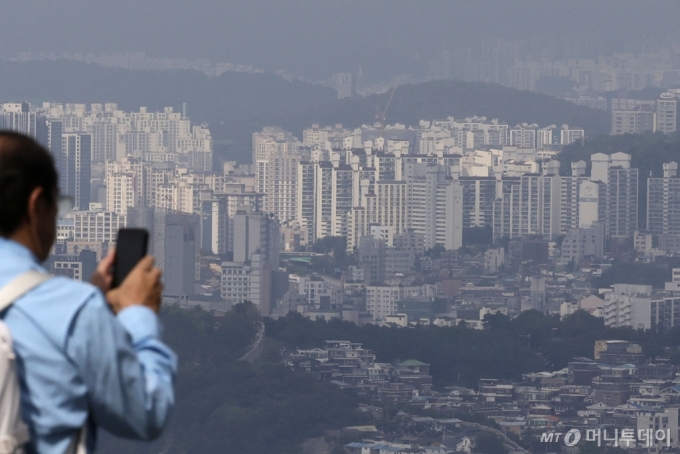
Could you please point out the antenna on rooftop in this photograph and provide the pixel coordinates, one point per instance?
(184, 110)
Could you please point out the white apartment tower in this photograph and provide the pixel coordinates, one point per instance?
(273, 140)
(97, 226)
(592, 203)
(120, 192)
(667, 113)
(306, 200)
(621, 183)
(530, 205)
(663, 202)
(435, 207)
(570, 196)
(278, 179)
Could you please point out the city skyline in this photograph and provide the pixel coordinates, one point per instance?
(411, 189)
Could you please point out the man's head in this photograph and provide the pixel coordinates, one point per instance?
(28, 193)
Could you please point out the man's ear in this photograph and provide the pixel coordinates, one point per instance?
(37, 204)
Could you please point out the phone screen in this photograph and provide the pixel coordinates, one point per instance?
(131, 247)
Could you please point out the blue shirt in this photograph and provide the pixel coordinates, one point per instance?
(75, 360)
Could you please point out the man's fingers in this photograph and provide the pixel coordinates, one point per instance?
(113, 294)
(113, 298)
(156, 274)
(146, 264)
(107, 262)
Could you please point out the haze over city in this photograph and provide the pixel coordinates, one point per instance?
(317, 39)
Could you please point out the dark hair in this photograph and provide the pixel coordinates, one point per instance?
(24, 166)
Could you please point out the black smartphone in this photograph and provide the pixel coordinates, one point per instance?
(131, 247)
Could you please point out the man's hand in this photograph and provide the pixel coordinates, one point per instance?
(103, 275)
(141, 287)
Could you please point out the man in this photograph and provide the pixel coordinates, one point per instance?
(87, 356)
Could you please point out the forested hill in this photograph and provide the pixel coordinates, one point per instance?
(237, 104)
(232, 407)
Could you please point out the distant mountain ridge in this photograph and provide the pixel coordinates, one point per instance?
(237, 104)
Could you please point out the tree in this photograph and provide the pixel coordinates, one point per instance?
(478, 235)
(633, 273)
(335, 250)
(488, 443)
(435, 251)
(497, 321)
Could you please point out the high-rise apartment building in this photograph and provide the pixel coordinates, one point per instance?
(137, 173)
(19, 117)
(530, 205)
(592, 203)
(524, 136)
(97, 226)
(622, 198)
(49, 133)
(635, 121)
(180, 196)
(256, 254)
(628, 306)
(214, 224)
(238, 199)
(120, 192)
(479, 193)
(570, 196)
(381, 300)
(663, 202)
(326, 138)
(176, 246)
(273, 140)
(569, 135)
(667, 113)
(104, 139)
(621, 183)
(506, 209)
(435, 206)
(323, 199)
(584, 242)
(342, 198)
(386, 207)
(306, 200)
(279, 185)
(74, 173)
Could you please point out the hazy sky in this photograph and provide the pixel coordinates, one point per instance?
(316, 38)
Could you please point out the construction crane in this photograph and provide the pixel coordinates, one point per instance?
(380, 116)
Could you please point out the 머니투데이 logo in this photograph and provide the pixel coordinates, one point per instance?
(570, 438)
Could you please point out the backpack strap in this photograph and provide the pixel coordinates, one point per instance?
(12, 291)
(19, 286)
(11, 443)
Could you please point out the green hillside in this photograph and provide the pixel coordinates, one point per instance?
(228, 406)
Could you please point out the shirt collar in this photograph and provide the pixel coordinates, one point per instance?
(16, 252)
